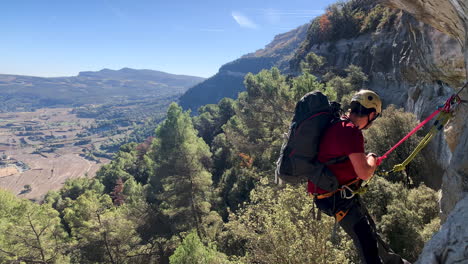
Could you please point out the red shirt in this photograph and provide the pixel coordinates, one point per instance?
(341, 139)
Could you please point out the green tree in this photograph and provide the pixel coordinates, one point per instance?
(212, 117)
(313, 63)
(402, 232)
(131, 162)
(264, 113)
(182, 181)
(340, 85)
(356, 77)
(125, 165)
(105, 233)
(345, 87)
(306, 83)
(193, 251)
(73, 188)
(253, 137)
(406, 217)
(30, 232)
(277, 227)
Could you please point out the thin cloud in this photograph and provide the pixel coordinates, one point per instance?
(243, 21)
(212, 29)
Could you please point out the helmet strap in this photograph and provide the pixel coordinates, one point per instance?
(369, 121)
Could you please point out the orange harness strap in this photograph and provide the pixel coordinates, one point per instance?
(330, 194)
(340, 214)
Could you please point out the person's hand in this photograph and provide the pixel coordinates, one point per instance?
(372, 159)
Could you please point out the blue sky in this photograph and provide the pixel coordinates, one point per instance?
(62, 38)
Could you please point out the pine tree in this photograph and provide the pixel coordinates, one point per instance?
(30, 233)
(182, 182)
(105, 233)
(193, 251)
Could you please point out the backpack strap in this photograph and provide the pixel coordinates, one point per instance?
(337, 160)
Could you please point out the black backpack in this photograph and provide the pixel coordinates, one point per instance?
(298, 158)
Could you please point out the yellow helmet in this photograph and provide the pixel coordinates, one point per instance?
(368, 99)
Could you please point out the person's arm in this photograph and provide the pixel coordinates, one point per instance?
(364, 166)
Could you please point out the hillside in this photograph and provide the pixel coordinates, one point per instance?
(202, 190)
(26, 93)
(228, 82)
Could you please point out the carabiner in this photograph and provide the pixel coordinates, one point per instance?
(344, 195)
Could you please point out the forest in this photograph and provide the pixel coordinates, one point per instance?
(202, 190)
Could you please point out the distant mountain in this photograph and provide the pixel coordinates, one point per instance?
(24, 93)
(228, 82)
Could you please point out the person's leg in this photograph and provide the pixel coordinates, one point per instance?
(360, 226)
(385, 252)
(387, 255)
(356, 224)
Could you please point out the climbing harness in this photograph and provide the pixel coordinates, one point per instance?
(346, 192)
(330, 194)
(443, 113)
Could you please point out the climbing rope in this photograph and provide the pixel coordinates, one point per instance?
(444, 112)
(440, 122)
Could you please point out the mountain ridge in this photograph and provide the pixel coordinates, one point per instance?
(26, 93)
(228, 82)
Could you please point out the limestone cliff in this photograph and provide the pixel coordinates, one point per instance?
(449, 245)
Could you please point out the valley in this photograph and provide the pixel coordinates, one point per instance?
(40, 150)
(54, 129)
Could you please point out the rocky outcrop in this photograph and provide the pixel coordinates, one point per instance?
(449, 245)
(447, 16)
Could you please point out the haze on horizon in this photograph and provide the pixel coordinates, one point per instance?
(61, 38)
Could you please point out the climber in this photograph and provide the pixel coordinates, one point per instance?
(344, 138)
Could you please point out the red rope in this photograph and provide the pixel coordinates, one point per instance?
(384, 156)
(446, 108)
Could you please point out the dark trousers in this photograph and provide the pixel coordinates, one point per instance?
(359, 225)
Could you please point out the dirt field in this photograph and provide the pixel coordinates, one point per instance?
(41, 145)
(8, 171)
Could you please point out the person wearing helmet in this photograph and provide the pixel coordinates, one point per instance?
(345, 139)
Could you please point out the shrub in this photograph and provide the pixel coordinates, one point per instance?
(386, 132)
(193, 251)
(407, 218)
(277, 227)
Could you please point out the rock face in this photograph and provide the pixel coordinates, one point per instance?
(447, 16)
(449, 245)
